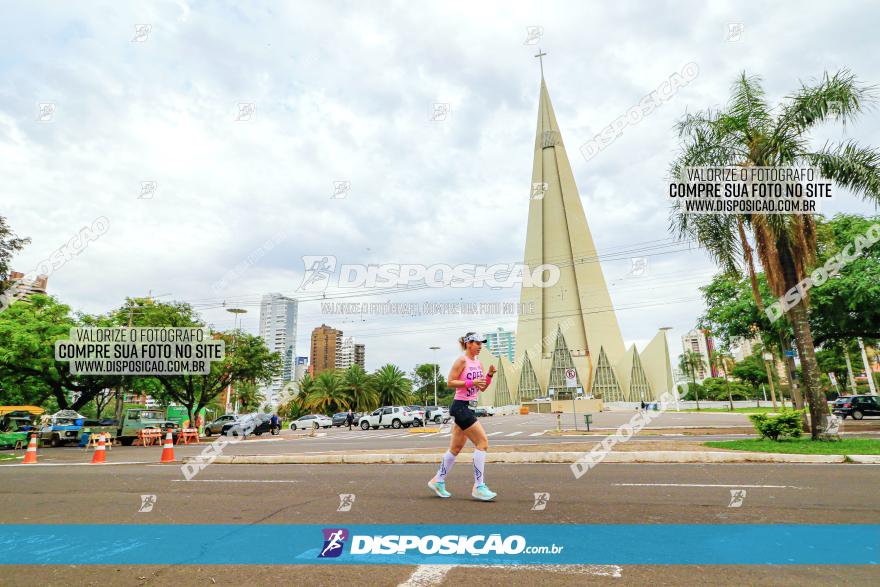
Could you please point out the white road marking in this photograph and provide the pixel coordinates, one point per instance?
(428, 575)
(702, 485)
(78, 464)
(233, 481)
(515, 433)
(494, 433)
(425, 575)
(537, 434)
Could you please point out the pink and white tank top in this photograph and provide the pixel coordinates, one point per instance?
(472, 370)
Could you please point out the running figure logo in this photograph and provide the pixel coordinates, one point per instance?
(334, 541)
(147, 503)
(346, 500)
(737, 496)
(319, 268)
(541, 501)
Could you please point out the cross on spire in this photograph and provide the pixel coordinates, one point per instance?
(540, 57)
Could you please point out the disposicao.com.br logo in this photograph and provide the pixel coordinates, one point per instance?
(321, 271)
(453, 544)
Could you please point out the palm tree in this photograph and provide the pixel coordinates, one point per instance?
(392, 386)
(750, 133)
(723, 361)
(690, 363)
(328, 394)
(360, 388)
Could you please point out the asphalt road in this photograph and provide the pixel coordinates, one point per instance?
(302, 494)
(503, 431)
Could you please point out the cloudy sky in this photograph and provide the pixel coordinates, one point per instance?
(93, 108)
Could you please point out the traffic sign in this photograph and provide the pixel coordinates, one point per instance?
(570, 378)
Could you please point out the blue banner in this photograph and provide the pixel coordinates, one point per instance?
(509, 544)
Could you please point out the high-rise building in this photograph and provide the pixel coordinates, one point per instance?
(360, 354)
(501, 343)
(698, 341)
(571, 345)
(326, 347)
(350, 353)
(278, 329)
(301, 368)
(22, 287)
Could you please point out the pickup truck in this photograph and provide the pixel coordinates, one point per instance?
(387, 417)
(63, 426)
(16, 426)
(136, 419)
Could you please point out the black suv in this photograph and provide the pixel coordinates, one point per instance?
(856, 406)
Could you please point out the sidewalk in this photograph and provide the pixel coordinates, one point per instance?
(631, 452)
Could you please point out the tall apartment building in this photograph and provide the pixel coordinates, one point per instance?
(502, 343)
(278, 316)
(326, 349)
(351, 353)
(301, 368)
(698, 341)
(23, 288)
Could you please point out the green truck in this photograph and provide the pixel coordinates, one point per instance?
(136, 419)
(17, 423)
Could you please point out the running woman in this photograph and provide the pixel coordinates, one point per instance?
(466, 376)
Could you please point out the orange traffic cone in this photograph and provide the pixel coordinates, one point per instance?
(30, 457)
(168, 450)
(100, 455)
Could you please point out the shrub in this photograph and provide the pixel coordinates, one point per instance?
(788, 423)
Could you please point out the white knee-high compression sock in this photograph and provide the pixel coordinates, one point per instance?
(445, 466)
(479, 466)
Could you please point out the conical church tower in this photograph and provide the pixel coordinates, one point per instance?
(577, 307)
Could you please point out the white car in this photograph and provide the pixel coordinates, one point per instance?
(490, 410)
(387, 417)
(311, 421)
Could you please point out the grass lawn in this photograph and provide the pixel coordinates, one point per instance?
(7, 457)
(761, 410)
(848, 446)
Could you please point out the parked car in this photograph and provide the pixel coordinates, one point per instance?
(418, 413)
(437, 414)
(340, 419)
(856, 406)
(481, 411)
(311, 421)
(387, 417)
(490, 410)
(249, 424)
(216, 427)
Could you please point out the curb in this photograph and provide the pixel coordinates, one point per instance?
(542, 457)
(864, 459)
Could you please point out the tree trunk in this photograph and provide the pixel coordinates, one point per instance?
(815, 397)
(756, 293)
(800, 323)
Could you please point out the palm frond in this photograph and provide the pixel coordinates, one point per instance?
(850, 165)
(838, 96)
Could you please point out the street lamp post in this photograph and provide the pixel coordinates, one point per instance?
(435, 348)
(237, 312)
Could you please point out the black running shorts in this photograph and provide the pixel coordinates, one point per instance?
(461, 412)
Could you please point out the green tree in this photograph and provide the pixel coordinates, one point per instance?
(29, 373)
(247, 359)
(690, 363)
(752, 371)
(751, 133)
(722, 361)
(9, 245)
(392, 386)
(249, 397)
(423, 383)
(360, 389)
(328, 395)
